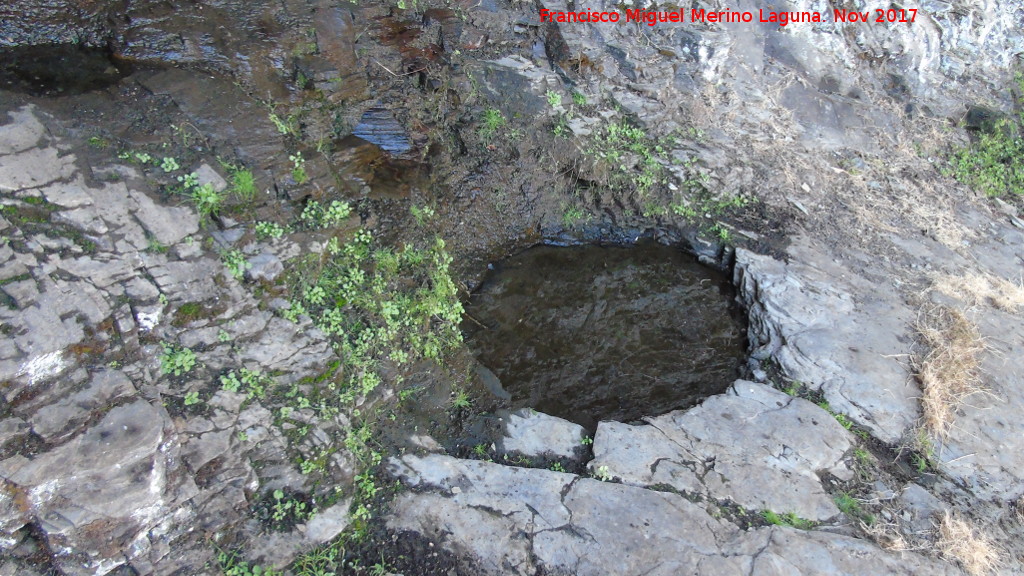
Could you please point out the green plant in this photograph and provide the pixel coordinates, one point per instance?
(422, 215)
(316, 216)
(266, 230)
(192, 398)
(461, 399)
(288, 508)
(236, 263)
(298, 168)
(603, 474)
(169, 164)
(320, 561)
(154, 245)
(920, 463)
(243, 184)
(587, 441)
(557, 467)
(207, 199)
(254, 382)
(579, 99)
(572, 215)
(189, 181)
(787, 519)
(994, 163)
(230, 565)
(554, 98)
(176, 360)
(285, 126)
(847, 504)
(490, 123)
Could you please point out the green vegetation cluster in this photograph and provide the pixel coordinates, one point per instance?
(994, 163)
(630, 161)
(377, 303)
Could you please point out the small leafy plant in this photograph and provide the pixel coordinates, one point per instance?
(266, 230)
(207, 199)
(243, 184)
(298, 168)
(994, 164)
(787, 519)
(318, 216)
(490, 123)
(176, 360)
(169, 164)
(236, 263)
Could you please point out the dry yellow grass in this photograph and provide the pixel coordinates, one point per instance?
(948, 370)
(982, 289)
(887, 535)
(959, 540)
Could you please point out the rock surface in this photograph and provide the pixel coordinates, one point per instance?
(121, 476)
(535, 434)
(521, 521)
(753, 445)
(836, 131)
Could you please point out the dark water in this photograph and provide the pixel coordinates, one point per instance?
(59, 69)
(593, 333)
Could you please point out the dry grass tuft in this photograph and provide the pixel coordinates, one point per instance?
(948, 372)
(887, 535)
(959, 540)
(982, 289)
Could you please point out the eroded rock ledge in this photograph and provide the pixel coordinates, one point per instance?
(521, 521)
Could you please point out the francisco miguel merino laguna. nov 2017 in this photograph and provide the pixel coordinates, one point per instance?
(652, 17)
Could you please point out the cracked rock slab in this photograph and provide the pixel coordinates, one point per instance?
(510, 521)
(92, 497)
(808, 314)
(753, 445)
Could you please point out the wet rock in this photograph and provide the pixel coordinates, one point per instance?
(168, 224)
(491, 382)
(378, 126)
(54, 422)
(264, 267)
(94, 496)
(537, 435)
(205, 174)
(23, 132)
(754, 445)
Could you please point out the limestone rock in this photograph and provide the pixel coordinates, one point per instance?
(54, 421)
(168, 224)
(516, 521)
(754, 445)
(535, 434)
(94, 496)
(825, 338)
